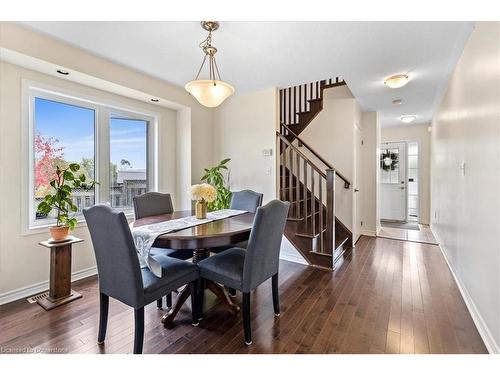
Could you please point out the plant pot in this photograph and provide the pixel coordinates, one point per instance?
(201, 209)
(59, 233)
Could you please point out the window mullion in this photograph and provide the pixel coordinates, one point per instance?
(102, 154)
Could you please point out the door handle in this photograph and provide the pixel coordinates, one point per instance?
(356, 190)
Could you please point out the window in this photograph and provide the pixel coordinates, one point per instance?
(389, 163)
(63, 134)
(112, 146)
(413, 181)
(128, 160)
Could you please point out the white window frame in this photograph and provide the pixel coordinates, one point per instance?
(102, 109)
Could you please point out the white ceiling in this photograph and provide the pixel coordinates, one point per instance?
(259, 55)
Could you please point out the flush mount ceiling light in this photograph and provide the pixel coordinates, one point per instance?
(397, 81)
(407, 119)
(213, 91)
(397, 102)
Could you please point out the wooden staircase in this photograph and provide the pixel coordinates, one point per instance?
(312, 227)
(299, 105)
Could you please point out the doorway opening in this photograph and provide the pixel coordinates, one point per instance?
(399, 192)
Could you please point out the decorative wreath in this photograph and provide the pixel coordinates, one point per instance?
(388, 160)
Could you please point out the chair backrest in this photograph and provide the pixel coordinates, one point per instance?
(117, 262)
(263, 250)
(246, 200)
(152, 203)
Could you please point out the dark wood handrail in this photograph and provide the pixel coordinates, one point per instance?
(313, 166)
(346, 181)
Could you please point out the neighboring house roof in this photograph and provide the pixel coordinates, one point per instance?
(131, 175)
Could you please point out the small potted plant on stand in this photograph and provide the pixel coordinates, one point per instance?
(63, 184)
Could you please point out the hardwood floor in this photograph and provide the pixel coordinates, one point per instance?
(424, 234)
(391, 297)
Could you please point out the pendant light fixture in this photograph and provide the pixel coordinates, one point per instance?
(213, 91)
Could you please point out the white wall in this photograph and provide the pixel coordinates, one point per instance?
(420, 134)
(24, 266)
(369, 166)
(22, 262)
(244, 126)
(465, 207)
(25, 41)
(331, 134)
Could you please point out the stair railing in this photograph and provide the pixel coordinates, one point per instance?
(303, 184)
(289, 134)
(296, 99)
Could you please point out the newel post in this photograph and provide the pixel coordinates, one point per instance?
(330, 211)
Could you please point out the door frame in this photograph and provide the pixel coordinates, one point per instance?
(420, 182)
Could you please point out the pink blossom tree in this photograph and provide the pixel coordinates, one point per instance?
(48, 155)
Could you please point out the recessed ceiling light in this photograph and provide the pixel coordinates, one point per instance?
(397, 81)
(155, 100)
(407, 119)
(63, 72)
(397, 102)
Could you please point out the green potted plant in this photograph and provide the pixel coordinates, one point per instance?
(216, 177)
(62, 184)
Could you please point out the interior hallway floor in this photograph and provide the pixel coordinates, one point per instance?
(424, 234)
(389, 296)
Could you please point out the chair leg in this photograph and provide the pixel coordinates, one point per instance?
(201, 297)
(231, 292)
(169, 300)
(276, 297)
(159, 303)
(246, 318)
(139, 330)
(194, 302)
(103, 318)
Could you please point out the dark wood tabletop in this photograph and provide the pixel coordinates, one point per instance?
(221, 232)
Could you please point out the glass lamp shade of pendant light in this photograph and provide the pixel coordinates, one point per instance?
(209, 93)
(213, 91)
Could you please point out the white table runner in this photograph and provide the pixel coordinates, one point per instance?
(145, 236)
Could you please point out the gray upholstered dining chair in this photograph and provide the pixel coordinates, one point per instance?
(151, 204)
(245, 200)
(244, 270)
(120, 275)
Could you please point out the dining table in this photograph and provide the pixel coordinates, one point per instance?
(198, 240)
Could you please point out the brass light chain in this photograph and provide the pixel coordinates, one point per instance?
(210, 51)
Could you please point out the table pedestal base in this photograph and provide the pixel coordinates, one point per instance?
(215, 288)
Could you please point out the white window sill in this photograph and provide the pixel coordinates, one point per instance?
(43, 228)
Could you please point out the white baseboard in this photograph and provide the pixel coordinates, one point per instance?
(482, 328)
(370, 233)
(40, 287)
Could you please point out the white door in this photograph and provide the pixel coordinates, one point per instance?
(392, 166)
(357, 193)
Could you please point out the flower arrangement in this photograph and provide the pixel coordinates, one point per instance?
(202, 193)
